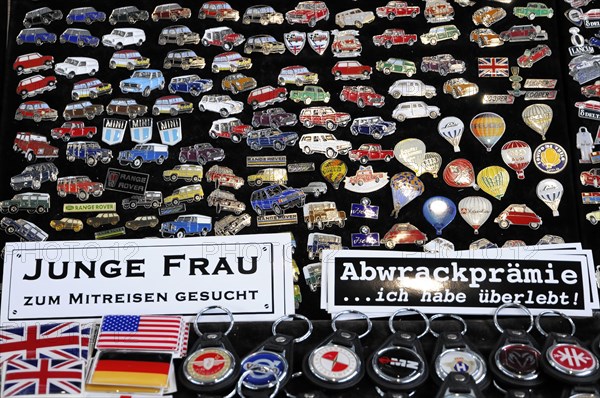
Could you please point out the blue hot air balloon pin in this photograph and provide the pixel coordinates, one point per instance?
(439, 211)
(405, 187)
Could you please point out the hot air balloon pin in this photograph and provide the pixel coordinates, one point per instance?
(411, 152)
(488, 128)
(550, 191)
(538, 117)
(334, 171)
(451, 129)
(517, 155)
(459, 173)
(475, 210)
(550, 158)
(405, 187)
(493, 180)
(439, 211)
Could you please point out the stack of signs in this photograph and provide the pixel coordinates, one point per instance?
(135, 354)
(551, 277)
(44, 359)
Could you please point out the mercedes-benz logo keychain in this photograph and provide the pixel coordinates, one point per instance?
(399, 365)
(212, 366)
(276, 352)
(338, 361)
(564, 358)
(515, 361)
(459, 385)
(454, 353)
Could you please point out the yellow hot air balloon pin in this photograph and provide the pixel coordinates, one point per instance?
(493, 180)
(550, 158)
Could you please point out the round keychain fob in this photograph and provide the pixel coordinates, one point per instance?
(276, 354)
(454, 353)
(459, 385)
(515, 361)
(212, 365)
(564, 358)
(581, 392)
(399, 365)
(337, 362)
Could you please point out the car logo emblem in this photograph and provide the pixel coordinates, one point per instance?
(258, 379)
(113, 130)
(170, 131)
(550, 158)
(334, 363)
(455, 360)
(209, 366)
(398, 365)
(519, 361)
(294, 41)
(572, 359)
(319, 41)
(141, 130)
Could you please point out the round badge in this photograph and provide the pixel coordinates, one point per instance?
(398, 364)
(259, 380)
(550, 158)
(209, 366)
(461, 361)
(519, 361)
(572, 359)
(334, 363)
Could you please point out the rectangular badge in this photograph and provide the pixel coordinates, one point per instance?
(540, 95)
(540, 83)
(500, 99)
(272, 220)
(300, 167)
(167, 210)
(251, 275)
(364, 211)
(126, 181)
(88, 207)
(590, 198)
(365, 240)
(492, 67)
(110, 233)
(265, 161)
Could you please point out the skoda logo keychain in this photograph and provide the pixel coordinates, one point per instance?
(454, 353)
(459, 385)
(212, 365)
(564, 358)
(515, 361)
(276, 354)
(399, 364)
(337, 362)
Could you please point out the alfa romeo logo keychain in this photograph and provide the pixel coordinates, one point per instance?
(212, 366)
(515, 361)
(338, 361)
(276, 354)
(454, 353)
(399, 364)
(564, 358)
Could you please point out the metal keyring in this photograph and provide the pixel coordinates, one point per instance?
(409, 310)
(214, 307)
(369, 323)
(455, 317)
(538, 325)
(292, 317)
(258, 368)
(513, 305)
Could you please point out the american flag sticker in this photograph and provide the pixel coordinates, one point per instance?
(47, 377)
(492, 67)
(140, 333)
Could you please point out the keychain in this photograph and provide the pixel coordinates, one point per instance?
(275, 353)
(515, 361)
(338, 361)
(459, 385)
(399, 364)
(268, 371)
(212, 365)
(564, 358)
(581, 392)
(454, 353)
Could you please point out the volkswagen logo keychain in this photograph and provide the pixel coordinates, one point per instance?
(564, 358)
(454, 353)
(212, 366)
(337, 362)
(399, 365)
(515, 361)
(275, 353)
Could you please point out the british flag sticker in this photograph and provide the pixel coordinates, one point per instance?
(492, 67)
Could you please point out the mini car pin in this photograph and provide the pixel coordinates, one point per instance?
(364, 209)
(459, 87)
(354, 17)
(351, 70)
(518, 214)
(80, 37)
(415, 109)
(392, 37)
(298, 75)
(129, 14)
(34, 146)
(41, 16)
(231, 128)
(396, 65)
(365, 238)
(187, 59)
(222, 36)
(308, 12)
(130, 59)
(310, 94)
(533, 55)
(237, 83)
(440, 33)
(32, 62)
(438, 245)
(221, 104)
(294, 41)
(34, 85)
(438, 11)
(487, 16)
(550, 158)
(481, 244)
(218, 10)
(345, 43)
(485, 37)
(122, 37)
(38, 36)
(366, 180)
(318, 41)
(411, 87)
(518, 33)
(362, 96)
(442, 64)
(143, 82)
(533, 10)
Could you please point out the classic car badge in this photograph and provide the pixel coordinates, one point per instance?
(113, 130)
(318, 41)
(366, 180)
(170, 131)
(141, 130)
(550, 158)
(294, 41)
